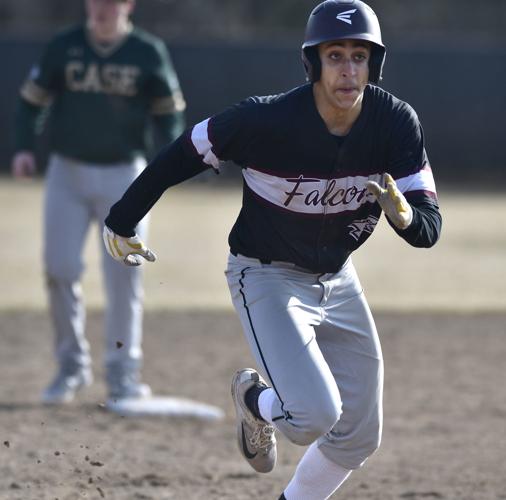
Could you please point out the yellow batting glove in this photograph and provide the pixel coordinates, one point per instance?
(392, 201)
(126, 250)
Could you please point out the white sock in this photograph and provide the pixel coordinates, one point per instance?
(265, 402)
(316, 477)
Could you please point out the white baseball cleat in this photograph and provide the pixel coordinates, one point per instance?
(255, 437)
(64, 386)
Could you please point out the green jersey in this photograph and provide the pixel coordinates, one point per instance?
(101, 98)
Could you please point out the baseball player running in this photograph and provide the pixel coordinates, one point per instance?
(106, 81)
(320, 163)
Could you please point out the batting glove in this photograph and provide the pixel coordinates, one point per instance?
(127, 250)
(392, 201)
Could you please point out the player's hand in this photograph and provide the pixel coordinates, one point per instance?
(130, 251)
(23, 165)
(392, 201)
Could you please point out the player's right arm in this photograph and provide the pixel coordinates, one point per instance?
(36, 94)
(28, 115)
(171, 166)
(192, 153)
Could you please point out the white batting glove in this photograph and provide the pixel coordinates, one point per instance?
(392, 201)
(127, 250)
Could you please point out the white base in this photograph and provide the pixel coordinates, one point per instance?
(164, 406)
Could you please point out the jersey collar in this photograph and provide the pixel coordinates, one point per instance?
(106, 50)
(322, 127)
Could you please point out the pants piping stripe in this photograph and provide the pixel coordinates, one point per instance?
(241, 290)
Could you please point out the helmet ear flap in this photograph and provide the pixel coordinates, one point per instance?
(312, 63)
(376, 62)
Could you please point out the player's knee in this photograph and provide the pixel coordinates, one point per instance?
(62, 272)
(361, 455)
(374, 441)
(59, 274)
(369, 446)
(359, 446)
(317, 421)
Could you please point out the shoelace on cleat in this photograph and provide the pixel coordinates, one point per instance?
(262, 436)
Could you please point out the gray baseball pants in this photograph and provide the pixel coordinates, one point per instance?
(78, 194)
(315, 341)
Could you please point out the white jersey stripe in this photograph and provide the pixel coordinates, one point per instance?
(201, 142)
(423, 180)
(311, 195)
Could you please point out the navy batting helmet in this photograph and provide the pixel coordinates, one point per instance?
(340, 20)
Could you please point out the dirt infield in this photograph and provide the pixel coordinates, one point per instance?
(445, 412)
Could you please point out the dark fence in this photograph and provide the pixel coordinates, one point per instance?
(457, 93)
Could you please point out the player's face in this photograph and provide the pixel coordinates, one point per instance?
(345, 72)
(107, 15)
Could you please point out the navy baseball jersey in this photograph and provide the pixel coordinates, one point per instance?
(305, 199)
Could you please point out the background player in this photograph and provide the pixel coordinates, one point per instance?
(320, 163)
(104, 81)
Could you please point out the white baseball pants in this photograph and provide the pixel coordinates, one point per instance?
(76, 195)
(315, 341)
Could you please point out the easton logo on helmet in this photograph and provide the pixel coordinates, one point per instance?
(346, 15)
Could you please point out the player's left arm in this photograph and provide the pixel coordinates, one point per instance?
(408, 196)
(167, 104)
